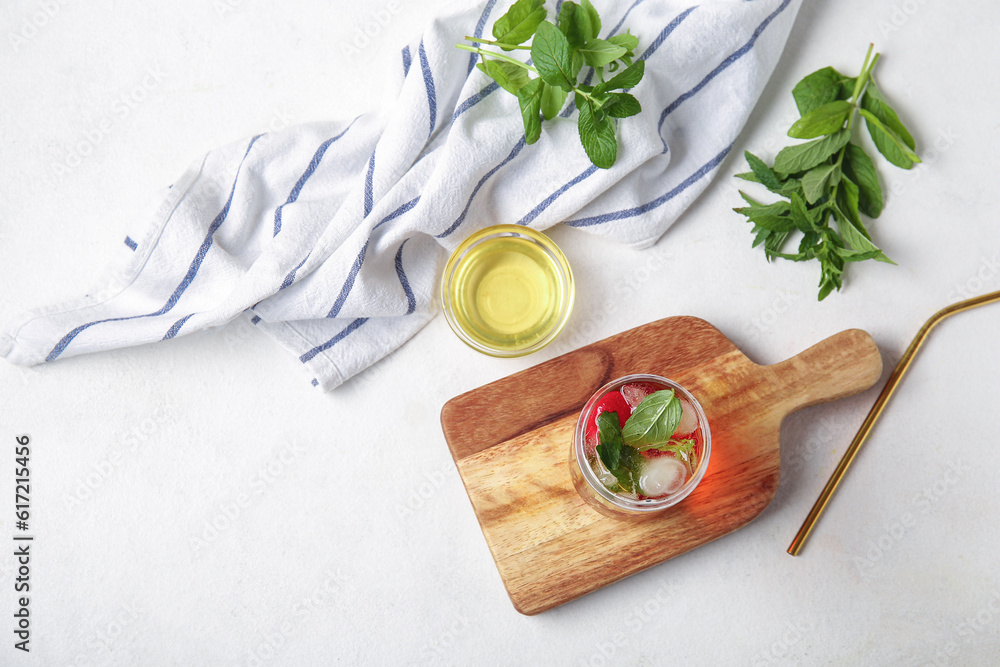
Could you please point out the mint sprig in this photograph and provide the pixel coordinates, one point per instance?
(829, 177)
(559, 52)
(622, 461)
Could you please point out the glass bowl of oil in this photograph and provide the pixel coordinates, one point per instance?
(507, 291)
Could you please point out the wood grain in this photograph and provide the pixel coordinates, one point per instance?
(511, 443)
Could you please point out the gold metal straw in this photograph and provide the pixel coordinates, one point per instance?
(873, 414)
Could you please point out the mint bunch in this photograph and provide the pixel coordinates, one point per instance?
(559, 52)
(830, 177)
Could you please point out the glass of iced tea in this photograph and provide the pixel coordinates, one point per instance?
(641, 445)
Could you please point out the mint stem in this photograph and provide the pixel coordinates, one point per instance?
(859, 87)
(862, 79)
(493, 54)
(479, 40)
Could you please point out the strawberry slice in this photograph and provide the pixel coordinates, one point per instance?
(613, 401)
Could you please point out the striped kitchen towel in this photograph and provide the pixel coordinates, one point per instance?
(328, 236)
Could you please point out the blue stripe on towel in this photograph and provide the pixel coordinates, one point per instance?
(207, 243)
(659, 201)
(315, 382)
(410, 299)
(403, 208)
(352, 275)
(290, 278)
(733, 57)
(188, 277)
(628, 11)
(475, 99)
(478, 32)
(662, 37)
(407, 60)
(429, 83)
(345, 332)
(177, 327)
(369, 184)
(349, 283)
(458, 221)
(130, 243)
(534, 213)
(297, 188)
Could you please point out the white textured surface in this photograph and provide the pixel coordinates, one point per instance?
(194, 502)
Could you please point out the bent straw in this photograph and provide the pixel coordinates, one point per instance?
(873, 414)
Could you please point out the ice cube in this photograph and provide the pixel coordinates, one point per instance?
(662, 476)
(606, 478)
(635, 392)
(689, 419)
(590, 443)
(603, 476)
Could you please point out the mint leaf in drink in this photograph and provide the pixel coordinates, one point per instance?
(519, 23)
(622, 461)
(609, 434)
(830, 177)
(628, 470)
(654, 420)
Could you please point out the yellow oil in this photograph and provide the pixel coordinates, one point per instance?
(507, 294)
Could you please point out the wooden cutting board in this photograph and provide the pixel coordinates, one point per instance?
(511, 443)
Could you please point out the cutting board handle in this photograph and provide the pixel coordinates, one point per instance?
(842, 365)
